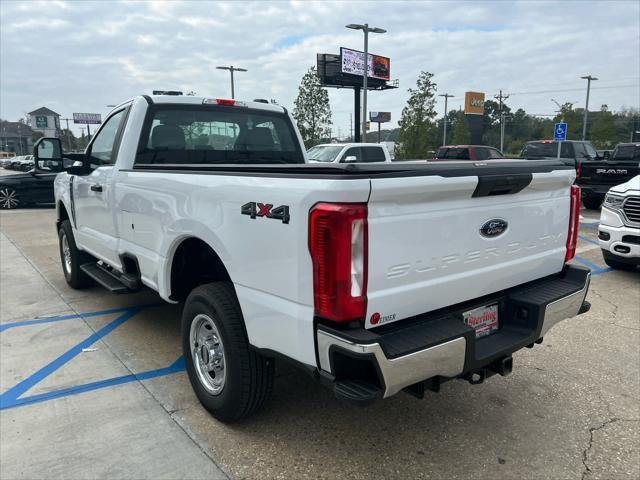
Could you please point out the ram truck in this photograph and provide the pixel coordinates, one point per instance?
(619, 229)
(374, 279)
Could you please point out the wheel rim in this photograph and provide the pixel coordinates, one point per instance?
(66, 254)
(207, 352)
(8, 198)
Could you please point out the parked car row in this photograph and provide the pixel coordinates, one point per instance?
(24, 163)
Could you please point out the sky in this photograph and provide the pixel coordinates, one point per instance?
(76, 56)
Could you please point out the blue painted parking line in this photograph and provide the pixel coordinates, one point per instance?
(74, 316)
(586, 239)
(595, 269)
(13, 396)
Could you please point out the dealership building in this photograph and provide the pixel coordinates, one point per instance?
(45, 121)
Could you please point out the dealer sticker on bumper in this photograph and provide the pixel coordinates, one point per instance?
(483, 320)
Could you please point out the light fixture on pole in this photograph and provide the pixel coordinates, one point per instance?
(588, 78)
(365, 29)
(444, 135)
(232, 69)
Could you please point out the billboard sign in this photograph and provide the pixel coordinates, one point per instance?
(474, 103)
(87, 118)
(352, 63)
(380, 117)
(41, 121)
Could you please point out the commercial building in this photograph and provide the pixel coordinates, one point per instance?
(45, 121)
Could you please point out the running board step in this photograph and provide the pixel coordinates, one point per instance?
(112, 281)
(356, 391)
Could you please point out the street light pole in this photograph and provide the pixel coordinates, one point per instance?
(365, 29)
(232, 69)
(588, 78)
(444, 135)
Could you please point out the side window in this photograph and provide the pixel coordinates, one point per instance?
(352, 152)
(579, 149)
(590, 151)
(102, 147)
(482, 154)
(373, 154)
(494, 153)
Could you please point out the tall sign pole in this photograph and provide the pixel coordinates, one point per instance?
(588, 78)
(364, 82)
(232, 69)
(444, 135)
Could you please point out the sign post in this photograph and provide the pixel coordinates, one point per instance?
(560, 134)
(379, 117)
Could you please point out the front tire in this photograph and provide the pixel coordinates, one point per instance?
(72, 258)
(231, 380)
(9, 198)
(592, 203)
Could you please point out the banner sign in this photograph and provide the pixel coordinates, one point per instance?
(352, 62)
(87, 118)
(380, 117)
(474, 103)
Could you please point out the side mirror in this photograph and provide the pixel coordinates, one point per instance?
(47, 155)
(350, 158)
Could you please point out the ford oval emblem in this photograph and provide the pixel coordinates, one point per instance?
(493, 227)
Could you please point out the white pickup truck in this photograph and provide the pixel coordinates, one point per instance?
(373, 278)
(349, 153)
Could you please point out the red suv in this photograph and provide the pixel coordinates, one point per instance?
(467, 152)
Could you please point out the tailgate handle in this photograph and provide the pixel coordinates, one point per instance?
(490, 185)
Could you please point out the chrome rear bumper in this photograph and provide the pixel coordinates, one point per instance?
(449, 359)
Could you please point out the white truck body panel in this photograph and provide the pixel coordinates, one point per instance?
(425, 251)
(444, 260)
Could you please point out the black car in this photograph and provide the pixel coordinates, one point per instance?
(572, 152)
(597, 177)
(33, 187)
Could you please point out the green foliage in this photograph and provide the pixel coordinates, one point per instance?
(312, 111)
(461, 134)
(603, 131)
(572, 118)
(418, 131)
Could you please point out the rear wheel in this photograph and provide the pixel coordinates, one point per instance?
(9, 198)
(592, 203)
(230, 379)
(72, 258)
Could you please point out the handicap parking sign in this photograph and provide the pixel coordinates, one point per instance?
(560, 132)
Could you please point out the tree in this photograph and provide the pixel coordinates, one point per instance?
(603, 130)
(311, 110)
(460, 130)
(418, 132)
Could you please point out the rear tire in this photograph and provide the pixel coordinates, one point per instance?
(592, 203)
(71, 258)
(213, 333)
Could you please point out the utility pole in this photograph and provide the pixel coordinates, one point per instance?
(500, 98)
(351, 126)
(67, 134)
(588, 78)
(232, 69)
(365, 29)
(444, 135)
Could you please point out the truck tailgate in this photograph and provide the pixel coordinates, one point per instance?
(427, 251)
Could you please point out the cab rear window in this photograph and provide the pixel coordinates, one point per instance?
(207, 134)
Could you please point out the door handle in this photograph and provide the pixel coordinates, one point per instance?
(96, 187)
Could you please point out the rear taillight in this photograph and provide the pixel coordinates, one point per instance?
(338, 246)
(574, 223)
(578, 171)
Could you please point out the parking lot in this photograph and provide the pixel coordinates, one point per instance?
(93, 386)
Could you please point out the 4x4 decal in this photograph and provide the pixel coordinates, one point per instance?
(255, 209)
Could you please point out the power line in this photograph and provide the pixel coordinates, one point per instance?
(575, 89)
